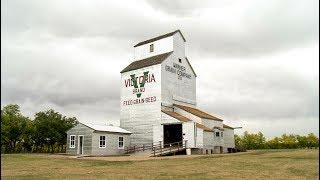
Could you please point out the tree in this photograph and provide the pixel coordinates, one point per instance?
(312, 140)
(13, 127)
(261, 141)
(27, 137)
(253, 141)
(51, 128)
(302, 141)
(289, 141)
(67, 123)
(239, 143)
(274, 143)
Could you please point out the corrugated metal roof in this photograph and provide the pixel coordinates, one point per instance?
(177, 116)
(160, 37)
(226, 126)
(185, 119)
(205, 128)
(197, 112)
(106, 128)
(158, 59)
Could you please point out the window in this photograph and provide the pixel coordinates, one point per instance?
(151, 47)
(221, 134)
(217, 134)
(180, 60)
(102, 142)
(120, 145)
(72, 141)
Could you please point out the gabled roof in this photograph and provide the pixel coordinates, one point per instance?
(226, 126)
(205, 128)
(185, 119)
(197, 112)
(106, 128)
(176, 115)
(153, 60)
(160, 37)
(191, 67)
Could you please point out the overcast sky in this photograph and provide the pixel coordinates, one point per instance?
(256, 61)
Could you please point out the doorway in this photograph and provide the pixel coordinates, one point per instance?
(172, 133)
(80, 145)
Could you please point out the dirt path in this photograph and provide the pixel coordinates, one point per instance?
(137, 158)
(131, 157)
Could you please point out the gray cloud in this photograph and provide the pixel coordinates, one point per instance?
(227, 28)
(245, 28)
(263, 93)
(67, 56)
(44, 77)
(182, 7)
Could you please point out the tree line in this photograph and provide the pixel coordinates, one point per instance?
(285, 141)
(45, 133)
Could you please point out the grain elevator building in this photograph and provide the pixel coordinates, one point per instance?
(158, 99)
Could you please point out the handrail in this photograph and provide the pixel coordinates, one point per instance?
(170, 147)
(159, 147)
(139, 148)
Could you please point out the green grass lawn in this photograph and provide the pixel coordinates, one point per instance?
(262, 164)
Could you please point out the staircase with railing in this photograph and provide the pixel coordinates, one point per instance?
(134, 149)
(159, 149)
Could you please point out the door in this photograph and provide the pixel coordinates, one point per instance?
(172, 133)
(80, 145)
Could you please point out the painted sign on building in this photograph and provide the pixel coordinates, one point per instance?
(137, 83)
(179, 70)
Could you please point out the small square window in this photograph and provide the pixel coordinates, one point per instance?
(151, 47)
(102, 142)
(180, 60)
(217, 134)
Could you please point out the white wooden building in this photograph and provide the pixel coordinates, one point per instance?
(97, 139)
(158, 99)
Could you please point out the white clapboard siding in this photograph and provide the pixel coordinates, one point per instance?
(146, 120)
(140, 118)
